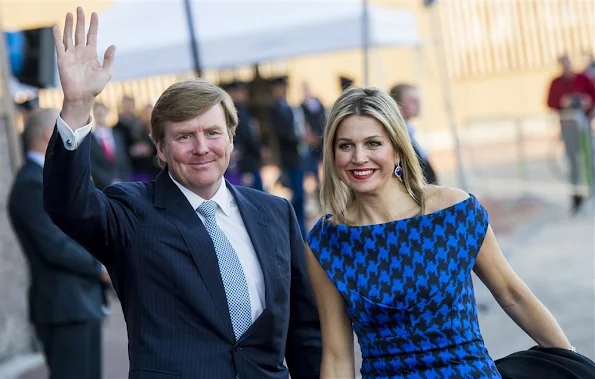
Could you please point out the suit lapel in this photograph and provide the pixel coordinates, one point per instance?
(177, 209)
(257, 226)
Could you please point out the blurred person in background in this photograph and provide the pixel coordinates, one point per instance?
(24, 110)
(65, 294)
(138, 146)
(289, 143)
(110, 161)
(572, 96)
(143, 152)
(315, 118)
(407, 97)
(247, 141)
(129, 124)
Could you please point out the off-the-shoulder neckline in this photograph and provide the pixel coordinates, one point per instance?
(326, 217)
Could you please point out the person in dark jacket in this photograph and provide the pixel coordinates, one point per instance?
(289, 141)
(247, 142)
(65, 295)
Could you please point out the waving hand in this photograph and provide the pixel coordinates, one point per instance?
(81, 75)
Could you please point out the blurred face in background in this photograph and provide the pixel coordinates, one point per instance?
(409, 104)
(128, 106)
(100, 113)
(239, 95)
(279, 91)
(565, 64)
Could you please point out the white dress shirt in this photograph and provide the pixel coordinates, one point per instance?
(231, 223)
(228, 218)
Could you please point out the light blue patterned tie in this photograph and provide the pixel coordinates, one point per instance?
(234, 280)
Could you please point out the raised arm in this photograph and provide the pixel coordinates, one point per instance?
(87, 215)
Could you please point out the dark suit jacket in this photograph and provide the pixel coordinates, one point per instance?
(103, 171)
(283, 121)
(246, 142)
(316, 119)
(164, 269)
(65, 285)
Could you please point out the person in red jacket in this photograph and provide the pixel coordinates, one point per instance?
(572, 95)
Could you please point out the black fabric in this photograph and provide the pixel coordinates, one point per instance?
(546, 363)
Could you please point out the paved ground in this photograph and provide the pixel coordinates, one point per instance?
(551, 251)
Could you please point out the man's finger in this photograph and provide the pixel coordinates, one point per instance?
(79, 36)
(92, 35)
(67, 38)
(58, 41)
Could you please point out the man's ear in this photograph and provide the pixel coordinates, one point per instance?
(160, 152)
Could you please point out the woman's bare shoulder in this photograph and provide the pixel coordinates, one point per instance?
(439, 197)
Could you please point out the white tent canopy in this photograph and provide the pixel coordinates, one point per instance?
(152, 36)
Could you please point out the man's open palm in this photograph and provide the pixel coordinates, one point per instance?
(81, 74)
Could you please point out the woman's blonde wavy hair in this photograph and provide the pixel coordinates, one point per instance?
(335, 196)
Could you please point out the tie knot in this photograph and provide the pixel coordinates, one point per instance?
(208, 208)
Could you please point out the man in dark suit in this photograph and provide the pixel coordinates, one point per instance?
(110, 162)
(211, 277)
(289, 143)
(315, 118)
(65, 295)
(247, 139)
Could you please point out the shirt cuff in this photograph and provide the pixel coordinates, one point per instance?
(72, 139)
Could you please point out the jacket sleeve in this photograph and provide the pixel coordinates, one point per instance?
(304, 347)
(99, 223)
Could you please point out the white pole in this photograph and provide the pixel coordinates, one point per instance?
(447, 93)
(366, 41)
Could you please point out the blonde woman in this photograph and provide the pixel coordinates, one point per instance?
(392, 259)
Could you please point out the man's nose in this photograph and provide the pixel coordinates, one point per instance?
(200, 146)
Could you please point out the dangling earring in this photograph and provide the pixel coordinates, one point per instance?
(399, 172)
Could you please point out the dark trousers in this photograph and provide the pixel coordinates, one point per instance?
(73, 350)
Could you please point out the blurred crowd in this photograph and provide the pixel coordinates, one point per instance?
(271, 133)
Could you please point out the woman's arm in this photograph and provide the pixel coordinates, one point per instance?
(337, 333)
(515, 298)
